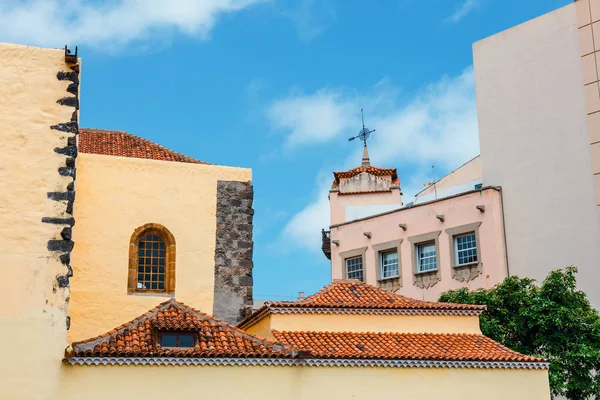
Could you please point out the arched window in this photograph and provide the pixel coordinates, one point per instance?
(151, 260)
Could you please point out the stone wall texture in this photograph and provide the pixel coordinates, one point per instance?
(233, 251)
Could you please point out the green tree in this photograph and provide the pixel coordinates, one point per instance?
(554, 321)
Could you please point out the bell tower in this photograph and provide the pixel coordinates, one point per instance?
(364, 190)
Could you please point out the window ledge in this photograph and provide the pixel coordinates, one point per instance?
(430, 272)
(391, 278)
(151, 294)
(473, 264)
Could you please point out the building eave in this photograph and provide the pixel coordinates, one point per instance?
(408, 207)
(312, 362)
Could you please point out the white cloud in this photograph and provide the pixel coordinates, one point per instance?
(466, 8)
(112, 23)
(310, 18)
(302, 230)
(438, 126)
(312, 118)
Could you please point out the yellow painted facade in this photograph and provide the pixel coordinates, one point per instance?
(33, 309)
(301, 383)
(363, 323)
(115, 196)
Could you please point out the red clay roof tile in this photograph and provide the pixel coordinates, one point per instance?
(370, 170)
(401, 346)
(215, 338)
(123, 144)
(352, 293)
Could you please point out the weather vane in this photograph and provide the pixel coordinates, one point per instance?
(364, 132)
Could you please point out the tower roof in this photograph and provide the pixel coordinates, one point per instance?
(369, 170)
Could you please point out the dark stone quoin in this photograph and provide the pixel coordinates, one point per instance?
(62, 246)
(233, 251)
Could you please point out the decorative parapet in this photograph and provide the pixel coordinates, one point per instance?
(318, 362)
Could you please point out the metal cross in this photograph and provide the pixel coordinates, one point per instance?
(364, 132)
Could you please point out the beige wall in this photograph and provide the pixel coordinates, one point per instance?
(365, 323)
(116, 195)
(588, 22)
(301, 383)
(457, 211)
(534, 143)
(345, 207)
(468, 172)
(33, 309)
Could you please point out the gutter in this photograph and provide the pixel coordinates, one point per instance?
(497, 188)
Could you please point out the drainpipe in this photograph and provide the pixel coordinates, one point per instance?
(499, 188)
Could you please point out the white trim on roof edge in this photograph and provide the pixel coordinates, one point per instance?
(377, 311)
(319, 362)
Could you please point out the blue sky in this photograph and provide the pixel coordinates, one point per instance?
(277, 86)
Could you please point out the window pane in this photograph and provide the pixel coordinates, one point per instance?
(465, 247)
(152, 250)
(426, 257)
(168, 340)
(186, 341)
(389, 264)
(354, 268)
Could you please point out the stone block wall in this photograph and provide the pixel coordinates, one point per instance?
(233, 251)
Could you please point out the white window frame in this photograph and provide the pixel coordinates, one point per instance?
(459, 231)
(457, 252)
(382, 266)
(418, 247)
(362, 267)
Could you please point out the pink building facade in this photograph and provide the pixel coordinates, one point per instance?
(420, 250)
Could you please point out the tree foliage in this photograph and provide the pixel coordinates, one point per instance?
(554, 321)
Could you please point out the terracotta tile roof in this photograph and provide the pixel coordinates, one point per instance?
(371, 170)
(215, 338)
(123, 144)
(351, 296)
(401, 346)
(352, 293)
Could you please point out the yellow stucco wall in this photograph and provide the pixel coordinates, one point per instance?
(365, 323)
(116, 195)
(301, 383)
(32, 315)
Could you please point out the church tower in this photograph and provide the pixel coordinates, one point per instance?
(365, 190)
